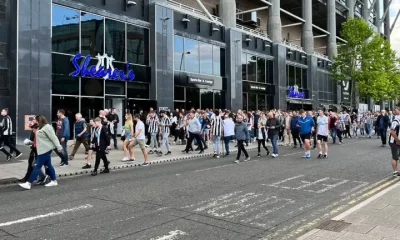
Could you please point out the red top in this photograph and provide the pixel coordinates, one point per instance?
(34, 140)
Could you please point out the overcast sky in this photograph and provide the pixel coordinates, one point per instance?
(395, 36)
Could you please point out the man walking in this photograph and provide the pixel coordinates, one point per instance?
(139, 138)
(101, 142)
(332, 126)
(63, 135)
(394, 141)
(114, 120)
(306, 124)
(273, 126)
(286, 129)
(229, 131)
(294, 129)
(322, 133)
(165, 127)
(6, 133)
(241, 133)
(152, 122)
(217, 125)
(194, 129)
(382, 124)
(81, 135)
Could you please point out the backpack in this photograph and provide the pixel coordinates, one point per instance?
(341, 126)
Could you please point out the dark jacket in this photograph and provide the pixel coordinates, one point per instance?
(293, 123)
(111, 117)
(262, 129)
(241, 131)
(79, 127)
(104, 139)
(273, 122)
(65, 132)
(386, 122)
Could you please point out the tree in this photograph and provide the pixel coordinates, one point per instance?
(367, 61)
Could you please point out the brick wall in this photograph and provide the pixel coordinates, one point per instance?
(320, 42)
(291, 34)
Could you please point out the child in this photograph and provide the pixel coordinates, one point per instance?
(91, 130)
(42, 179)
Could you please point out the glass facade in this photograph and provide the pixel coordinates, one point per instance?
(189, 97)
(74, 32)
(327, 91)
(296, 80)
(198, 57)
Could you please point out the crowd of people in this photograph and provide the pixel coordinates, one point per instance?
(194, 130)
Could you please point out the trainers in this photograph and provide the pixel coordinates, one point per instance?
(106, 170)
(51, 184)
(274, 155)
(64, 164)
(268, 153)
(43, 181)
(19, 155)
(124, 159)
(395, 174)
(236, 161)
(87, 166)
(130, 160)
(217, 156)
(145, 164)
(258, 155)
(94, 173)
(9, 158)
(159, 154)
(71, 157)
(319, 155)
(168, 153)
(247, 159)
(26, 185)
(325, 156)
(308, 155)
(305, 155)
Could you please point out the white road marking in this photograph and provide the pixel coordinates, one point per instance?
(283, 181)
(262, 214)
(329, 187)
(240, 203)
(214, 199)
(171, 235)
(219, 202)
(361, 184)
(51, 214)
(308, 184)
(227, 165)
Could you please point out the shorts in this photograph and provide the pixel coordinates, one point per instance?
(322, 138)
(141, 142)
(127, 135)
(305, 136)
(395, 149)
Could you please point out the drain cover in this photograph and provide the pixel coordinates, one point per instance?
(333, 226)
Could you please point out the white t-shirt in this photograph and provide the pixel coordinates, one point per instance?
(229, 127)
(393, 127)
(140, 125)
(322, 122)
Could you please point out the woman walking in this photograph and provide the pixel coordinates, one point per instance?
(128, 128)
(46, 141)
(340, 128)
(261, 137)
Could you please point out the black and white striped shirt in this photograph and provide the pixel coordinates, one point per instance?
(153, 124)
(7, 125)
(394, 126)
(166, 122)
(217, 125)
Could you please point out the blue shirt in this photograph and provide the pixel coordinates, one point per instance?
(305, 124)
(381, 123)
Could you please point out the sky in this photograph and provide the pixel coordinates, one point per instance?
(395, 36)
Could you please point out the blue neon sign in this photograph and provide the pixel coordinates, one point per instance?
(293, 92)
(103, 69)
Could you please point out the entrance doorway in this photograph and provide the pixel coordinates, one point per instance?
(119, 103)
(90, 107)
(135, 105)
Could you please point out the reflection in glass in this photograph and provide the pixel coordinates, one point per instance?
(92, 87)
(245, 101)
(69, 104)
(65, 85)
(219, 99)
(244, 67)
(90, 107)
(115, 39)
(192, 59)
(207, 99)
(269, 72)
(65, 30)
(304, 78)
(193, 98)
(291, 75)
(261, 70)
(261, 101)
(206, 58)
(137, 41)
(115, 87)
(299, 77)
(252, 102)
(178, 53)
(251, 67)
(179, 93)
(138, 90)
(217, 61)
(91, 34)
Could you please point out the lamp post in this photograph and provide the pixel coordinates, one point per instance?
(180, 68)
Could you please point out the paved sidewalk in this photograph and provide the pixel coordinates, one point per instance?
(376, 218)
(16, 168)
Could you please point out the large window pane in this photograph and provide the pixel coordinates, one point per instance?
(244, 67)
(217, 61)
(65, 30)
(207, 99)
(90, 107)
(115, 39)
(261, 70)
(291, 76)
(138, 90)
(179, 93)
(252, 102)
(251, 68)
(92, 34)
(245, 101)
(219, 101)
(138, 45)
(115, 87)
(304, 79)
(206, 58)
(71, 107)
(192, 59)
(65, 85)
(192, 98)
(261, 101)
(299, 77)
(92, 87)
(178, 53)
(269, 72)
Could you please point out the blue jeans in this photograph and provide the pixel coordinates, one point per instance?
(332, 132)
(64, 154)
(274, 140)
(43, 159)
(226, 142)
(216, 140)
(368, 129)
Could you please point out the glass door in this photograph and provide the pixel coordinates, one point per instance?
(90, 107)
(206, 99)
(119, 103)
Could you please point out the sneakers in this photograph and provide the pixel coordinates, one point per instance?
(125, 159)
(159, 154)
(319, 155)
(274, 155)
(9, 158)
(268, 153)
(43, 181)
(94, 173)
(247, 159)
(325, 155)
(236, 161)
(71, 157)
(168, 153)
(307, 155)
(51, 184)
(63, 164)
(145, 164)
(106, 170)
(26, 185)
(217, 156)
(87, 166)
(130, 160)
(258, 155)
(19, 155)
(151, 152)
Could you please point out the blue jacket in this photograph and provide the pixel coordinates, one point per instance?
(294, 122)
(241, 131)
(65, 128)
(305, 124)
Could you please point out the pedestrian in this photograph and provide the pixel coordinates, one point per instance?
(91, 132)
(369, 122)
(194, 129)
(306, 124)
(128, 131)
(394, 141)
(314, 133)
(261, 137)
(287, 135)
(81, 135)
(180, 128)
(46, 141)
(101, 142)
(139, 138)
(273, 126)
(165, 127)
(114, 120)
(229, 131)
(340, 128)
(153, 123)
(63, 134)
(6, 133)
(241, 134)
(332, 126)
(382, 124)
(322, 133)
(347, 123)
(217, 126)
(294, 129)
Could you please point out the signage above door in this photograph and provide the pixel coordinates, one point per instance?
(201, 81)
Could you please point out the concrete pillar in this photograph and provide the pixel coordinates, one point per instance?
(387, 20)
(350, 4)
(274, 22)
(227, 10)
(234, 88)
(307, 37)
(280, 97)
(332, 48)
(365, 14)
(378, 21)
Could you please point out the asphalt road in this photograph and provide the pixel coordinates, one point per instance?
(200, 198)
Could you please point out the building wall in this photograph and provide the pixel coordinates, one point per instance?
(318, 43)
(291, 34)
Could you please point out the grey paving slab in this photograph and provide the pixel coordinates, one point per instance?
(358, 236)
(328, 234)
(380, 231)
(360, 228)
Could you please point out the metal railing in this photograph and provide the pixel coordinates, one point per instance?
(320, 55)
(192, 11)
(255, 32)
(293, 46)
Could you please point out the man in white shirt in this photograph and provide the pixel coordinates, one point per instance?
(139, 138)
(322, 133)
(229, 131)
(394, 141)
